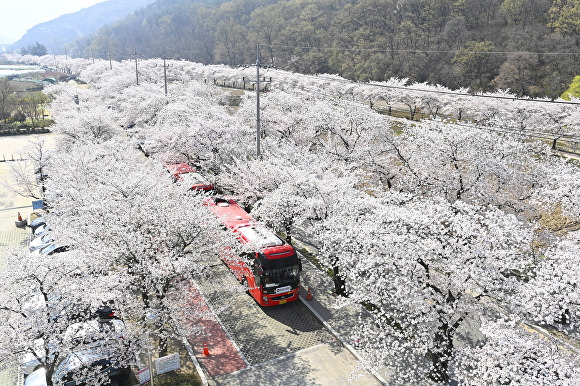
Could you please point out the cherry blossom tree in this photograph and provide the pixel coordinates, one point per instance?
(547, 293)
(420, 266)
(514, 356)
(42, 298)
(464, 163)
(127, 212)
(80, 116)
(562, 190)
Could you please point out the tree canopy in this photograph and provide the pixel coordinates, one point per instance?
(433, 226)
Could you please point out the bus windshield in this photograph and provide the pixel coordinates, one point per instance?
(277, 276)
(279, 271)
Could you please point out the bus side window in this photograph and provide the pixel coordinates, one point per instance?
(257, 270)
(248, 258)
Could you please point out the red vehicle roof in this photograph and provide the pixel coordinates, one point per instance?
(230, 213)
(184, 172)
(177, 169)
(248, 230)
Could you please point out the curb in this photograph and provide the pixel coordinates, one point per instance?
(335, 333)
(220, 323)
(198, 368)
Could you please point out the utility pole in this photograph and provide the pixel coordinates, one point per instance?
(258, 129)
(110, 61)
(258, 101)
(136, 68)
(165, 73)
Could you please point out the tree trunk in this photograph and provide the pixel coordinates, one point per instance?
(554, 142)
(339, 284)
(441, 354)
(163, 349)
(145, 298)
(49, 373)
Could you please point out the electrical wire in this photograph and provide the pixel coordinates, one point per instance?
(414, 51)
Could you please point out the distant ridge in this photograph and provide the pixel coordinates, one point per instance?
(56, 34)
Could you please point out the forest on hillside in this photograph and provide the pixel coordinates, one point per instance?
(531, 47)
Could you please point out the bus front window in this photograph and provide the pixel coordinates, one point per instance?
(277, 276)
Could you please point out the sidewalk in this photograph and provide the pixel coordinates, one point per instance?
(340, 321)
(197, 317)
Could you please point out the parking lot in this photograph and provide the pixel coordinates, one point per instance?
(10, 205)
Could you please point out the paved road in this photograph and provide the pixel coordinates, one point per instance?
(261, 333)
(280, 345)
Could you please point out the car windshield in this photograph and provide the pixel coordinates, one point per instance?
(279, 271)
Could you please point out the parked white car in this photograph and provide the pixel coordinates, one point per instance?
(40, 242)
(41, 230)
(36, 378)
(49, 249)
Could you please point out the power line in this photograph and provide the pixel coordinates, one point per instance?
(375, 50)
(412, 51)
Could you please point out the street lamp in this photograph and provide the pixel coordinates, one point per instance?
(150, 320)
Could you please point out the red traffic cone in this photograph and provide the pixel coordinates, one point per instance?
(308, 294)
(205, 350)
(20, 223)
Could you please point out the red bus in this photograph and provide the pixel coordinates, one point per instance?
(186, 174)
(272, 271)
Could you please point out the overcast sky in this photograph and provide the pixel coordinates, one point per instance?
(17, 16)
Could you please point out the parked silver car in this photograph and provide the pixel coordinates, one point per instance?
(49, 249)
(95, 347)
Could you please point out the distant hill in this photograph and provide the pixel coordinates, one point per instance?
(56, 34)
(527, 46)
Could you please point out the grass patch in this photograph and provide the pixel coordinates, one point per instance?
(174, 378)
